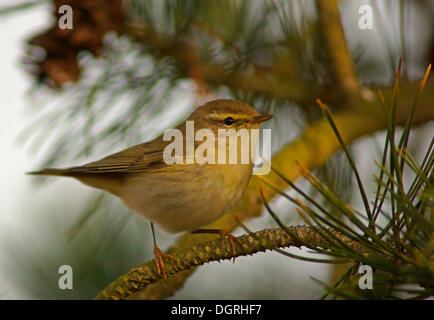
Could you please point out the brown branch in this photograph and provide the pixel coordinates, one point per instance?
(341, 64)
(145, 274)
(265, 81)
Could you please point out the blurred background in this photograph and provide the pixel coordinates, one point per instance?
(127, 71)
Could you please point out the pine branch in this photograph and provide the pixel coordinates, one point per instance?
(262, 80)
(145, 274)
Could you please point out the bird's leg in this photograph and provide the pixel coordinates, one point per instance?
(223, 234)
(159, 255)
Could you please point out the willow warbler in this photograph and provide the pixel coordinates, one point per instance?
(184, 195)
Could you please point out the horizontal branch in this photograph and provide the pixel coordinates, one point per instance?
(266, 80)
(145, 274)
(260, 80)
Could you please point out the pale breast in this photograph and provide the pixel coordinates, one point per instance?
(187, 198)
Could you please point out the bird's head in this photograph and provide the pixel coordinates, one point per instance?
(227, 114)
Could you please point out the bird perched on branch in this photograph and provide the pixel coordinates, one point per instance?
(175, 188)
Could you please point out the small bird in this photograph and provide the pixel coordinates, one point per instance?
(181, 196)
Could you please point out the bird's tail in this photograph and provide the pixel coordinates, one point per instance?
(100, 181)
(51, 172)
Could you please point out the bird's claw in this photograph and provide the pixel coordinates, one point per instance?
(159, 263)
(231, 238)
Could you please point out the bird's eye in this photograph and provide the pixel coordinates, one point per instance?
(228, 121)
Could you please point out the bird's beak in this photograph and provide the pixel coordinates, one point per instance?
(262, 118)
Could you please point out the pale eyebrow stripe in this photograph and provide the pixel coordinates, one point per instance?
(221, 116)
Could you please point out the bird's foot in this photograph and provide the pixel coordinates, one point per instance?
(159, 263)
(231, 238)
(223, 235)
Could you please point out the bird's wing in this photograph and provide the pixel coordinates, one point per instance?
(137, 158)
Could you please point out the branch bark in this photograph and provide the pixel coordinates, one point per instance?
(145, 274)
